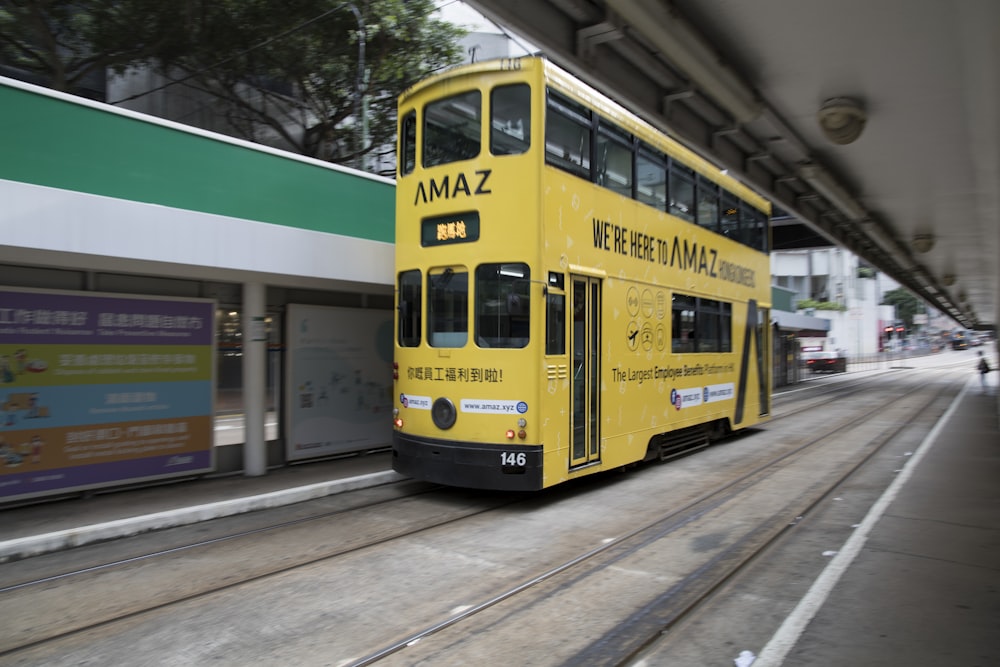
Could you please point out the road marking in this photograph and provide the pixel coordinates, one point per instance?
(795, 624)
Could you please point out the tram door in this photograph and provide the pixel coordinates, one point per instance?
(585, 351)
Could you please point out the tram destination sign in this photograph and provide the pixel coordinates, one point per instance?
(449, 229)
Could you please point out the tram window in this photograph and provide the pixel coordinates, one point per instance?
(555, 323)
(708, 204)
(409, 308)
(683, 324)
(754, 223)
(510, 119)
(567, 136)
(716, 333)
(651, 180)
(614, 160)
(708, 331)
(682, 192)
(710, 325)
(555, 315)
(448, 308)
(730, 217)
(503, 299)
(452, 129)
(408, 144)
(726, 327)
(701, 325)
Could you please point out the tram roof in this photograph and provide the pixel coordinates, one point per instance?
(608, 108)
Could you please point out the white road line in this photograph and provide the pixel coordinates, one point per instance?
(773, 655)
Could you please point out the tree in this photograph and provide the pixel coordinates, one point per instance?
(906, 304)
(805, 304)
(69, 45)
(288, 70)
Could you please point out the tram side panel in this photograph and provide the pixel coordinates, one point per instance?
(653, 377)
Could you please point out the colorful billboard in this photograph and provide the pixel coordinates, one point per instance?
(99, 390)
(339, 380)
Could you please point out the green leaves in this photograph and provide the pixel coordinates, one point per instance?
(907, 305)
(318, 77)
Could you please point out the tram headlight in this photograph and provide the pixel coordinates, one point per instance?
(443, 413)
(522, 422)
(510, 434)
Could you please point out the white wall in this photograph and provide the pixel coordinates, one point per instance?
(96, 232)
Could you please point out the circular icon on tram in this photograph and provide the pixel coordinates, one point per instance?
(647, 303)
(647, 337)
(632, 334)
(632, 301)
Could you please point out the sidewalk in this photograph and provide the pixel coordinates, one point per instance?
(917, 584)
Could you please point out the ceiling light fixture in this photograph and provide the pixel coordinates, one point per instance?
(923, 242)
(842, 119)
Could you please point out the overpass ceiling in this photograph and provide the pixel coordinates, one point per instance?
(743, 83)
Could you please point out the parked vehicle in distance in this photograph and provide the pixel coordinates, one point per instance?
(959, 341)
(826, 362)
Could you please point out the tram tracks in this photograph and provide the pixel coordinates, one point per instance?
(625, 639)
(637, 561)
(103, 593)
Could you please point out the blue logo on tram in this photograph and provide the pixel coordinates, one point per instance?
(675, 398)
(522, 407)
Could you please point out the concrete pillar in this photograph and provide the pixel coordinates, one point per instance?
(254, 379)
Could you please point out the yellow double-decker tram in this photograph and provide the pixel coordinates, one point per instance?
(575, 290)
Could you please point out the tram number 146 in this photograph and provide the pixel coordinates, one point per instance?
(513, 458)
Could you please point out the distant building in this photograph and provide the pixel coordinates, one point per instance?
(847, 293)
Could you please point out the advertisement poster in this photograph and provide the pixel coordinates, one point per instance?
(339, 382)
(98, 390)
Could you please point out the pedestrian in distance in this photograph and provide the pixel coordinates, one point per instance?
(983, 367)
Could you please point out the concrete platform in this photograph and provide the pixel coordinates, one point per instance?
(31, 530)
(919, 581)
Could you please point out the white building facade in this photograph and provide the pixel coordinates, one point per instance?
(834, 278)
